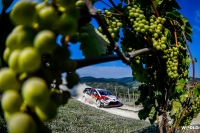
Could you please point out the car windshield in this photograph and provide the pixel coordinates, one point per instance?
(103, 92)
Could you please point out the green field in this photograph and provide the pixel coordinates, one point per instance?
(76, 117)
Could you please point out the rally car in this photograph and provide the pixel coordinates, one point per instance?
(100, 97)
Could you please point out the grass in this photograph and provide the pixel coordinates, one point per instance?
(76, 117)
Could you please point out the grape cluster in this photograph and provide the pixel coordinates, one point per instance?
(113, 25)
(171, 55)
(35, 60)
(192, 112)
(137, 19)
(153, 27)
(158, 32)
(152, 114)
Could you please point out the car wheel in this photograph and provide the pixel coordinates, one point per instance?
(98, 103)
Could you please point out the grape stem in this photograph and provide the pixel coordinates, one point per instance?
(113, 44)
(193, 61)
(96, 60)
(178, 122)
(154, 8)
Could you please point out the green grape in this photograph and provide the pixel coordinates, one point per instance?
(67, 65)
(7, 77)
(11, 101)
(60, 54)
(45, 41)
(6, 54)
(29, 60)
(40, 6)
(72, 79)
(80, 3)
(66, 95)
(74, 38)
(46, 112)
(56, 96)
(13, 60)
(23, 13)
(7, 115)
(65, 3)
(47, 18)
(11, 41)
(20, 37)
(21, 123)
(67, 25)
(35, 92)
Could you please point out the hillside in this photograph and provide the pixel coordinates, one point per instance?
(120, 84)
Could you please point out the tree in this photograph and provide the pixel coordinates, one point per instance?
(154, 44)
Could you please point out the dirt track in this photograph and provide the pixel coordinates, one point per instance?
(125, 111)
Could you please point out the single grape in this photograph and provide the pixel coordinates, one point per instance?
(67, 25)
(23, 13)
(56, 97)
(11, 101)
(7, 77)
(35, 92)
(60, 54)
(21, 123)
(74, 38)
(6, 54)
(13, 60)
(46, 112)
(40, 6)
(29, 60)
(45, 41)
(72, 78)
(65, 3)
(47, 18)
(81, 3)
(20, 37)
(66, 95)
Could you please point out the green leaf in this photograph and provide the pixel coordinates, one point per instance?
(144, 113)
(188, 37)
(157, 93)
(176, 107)
(180, 85)
(184, 96)
(94, 45)
(196, 91)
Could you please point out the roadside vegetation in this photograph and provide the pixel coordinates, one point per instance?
(76, 117)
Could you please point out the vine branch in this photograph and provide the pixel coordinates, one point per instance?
(154, 8)
(113, 44)
(96, 60)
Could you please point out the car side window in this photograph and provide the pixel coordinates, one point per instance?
(93, 92)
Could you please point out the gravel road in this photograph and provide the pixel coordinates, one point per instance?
(125, 111)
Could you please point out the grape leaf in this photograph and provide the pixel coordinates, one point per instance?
(180, 85)
(184, 96)
(196, 91)
(176, 106)
(144, 113)
(94, 45)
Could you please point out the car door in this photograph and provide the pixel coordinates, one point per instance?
(93, 96)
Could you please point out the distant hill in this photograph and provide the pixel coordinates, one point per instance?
(112, 83)
(125, 81)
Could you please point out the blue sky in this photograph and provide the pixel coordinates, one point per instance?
(116, 69)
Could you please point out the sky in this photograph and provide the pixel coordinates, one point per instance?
(116, 69)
